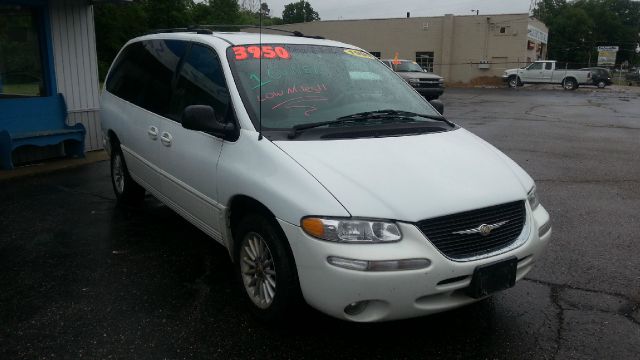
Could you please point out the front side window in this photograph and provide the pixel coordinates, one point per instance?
(21, 71)
(143, 73)
(535, 66)
(201, 82)
(549, 66)
(407, 66)
(304, 84)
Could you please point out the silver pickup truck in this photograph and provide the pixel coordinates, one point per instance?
(545, 72)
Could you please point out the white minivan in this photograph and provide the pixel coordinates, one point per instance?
(326, 176)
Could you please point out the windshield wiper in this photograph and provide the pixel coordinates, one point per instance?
(297, 129)
(364, 117)
(393, 113)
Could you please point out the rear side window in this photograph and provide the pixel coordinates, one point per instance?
(549, 66)
(201, 82)
(143, 73)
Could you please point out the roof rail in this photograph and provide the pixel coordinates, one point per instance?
(178, 30)
(208, 29)
(294, 32)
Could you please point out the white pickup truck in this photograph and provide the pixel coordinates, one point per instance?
(546, 72)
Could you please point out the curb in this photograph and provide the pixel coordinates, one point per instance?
(53, 166)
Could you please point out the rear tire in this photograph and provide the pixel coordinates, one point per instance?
(265, 269)
(570, 84)
(126, 189)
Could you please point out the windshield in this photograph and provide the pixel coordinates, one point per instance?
(407, 66)
(303, 84)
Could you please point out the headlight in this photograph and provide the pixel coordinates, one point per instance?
(440, 80)
(532, 197)
(351, 230)
(413, 81)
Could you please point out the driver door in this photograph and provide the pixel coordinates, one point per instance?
(533, 73)
(191, 157)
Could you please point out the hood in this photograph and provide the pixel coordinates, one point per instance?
(418, 75)
(411, 178)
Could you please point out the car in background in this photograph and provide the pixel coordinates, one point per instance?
(546, 72)
(600, 77)
(429, 85)
(633, 77)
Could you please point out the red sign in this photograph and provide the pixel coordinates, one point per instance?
(258, 52)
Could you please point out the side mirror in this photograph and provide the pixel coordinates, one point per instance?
(203, 118)
(438, 105)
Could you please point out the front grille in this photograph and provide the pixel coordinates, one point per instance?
(440, 231)
(429, 83)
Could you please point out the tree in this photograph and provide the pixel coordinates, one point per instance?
(264, 9)
(251, 6)
(216, 12)
(298, 12)
(577, 28)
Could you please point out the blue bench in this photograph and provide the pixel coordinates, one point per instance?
(37, 121)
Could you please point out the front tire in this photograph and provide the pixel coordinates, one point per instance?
(514, 82)
(126, 189)
(601, 84)
(265, 268)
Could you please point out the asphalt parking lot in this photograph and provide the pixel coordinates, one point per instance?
(82, 278)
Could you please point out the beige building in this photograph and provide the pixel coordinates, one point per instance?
(459, 48)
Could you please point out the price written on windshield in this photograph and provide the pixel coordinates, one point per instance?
(260, 52)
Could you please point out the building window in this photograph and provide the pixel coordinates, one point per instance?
(375, 53)
(503, 30)
(425, 60)
(21, 73)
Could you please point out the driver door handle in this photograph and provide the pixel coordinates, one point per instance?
(166, 139)
(153, 132)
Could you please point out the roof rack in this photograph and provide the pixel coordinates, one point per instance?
(208, 29)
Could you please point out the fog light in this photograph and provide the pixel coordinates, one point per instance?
(382, 265)
(544, 229)
(356, 308)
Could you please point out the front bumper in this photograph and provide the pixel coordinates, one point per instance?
(398, 294)
(430, 92)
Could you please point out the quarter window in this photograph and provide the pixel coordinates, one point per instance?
(201, 82)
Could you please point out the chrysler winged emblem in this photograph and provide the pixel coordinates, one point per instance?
(483, 229)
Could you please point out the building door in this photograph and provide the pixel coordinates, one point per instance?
(425, 60)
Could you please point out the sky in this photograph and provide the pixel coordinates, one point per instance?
(366, 9)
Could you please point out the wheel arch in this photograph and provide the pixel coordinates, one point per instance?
(112, 141)
(572, 78)
(239, 206)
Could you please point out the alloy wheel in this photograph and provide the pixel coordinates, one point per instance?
(258, 270)
(118, 173)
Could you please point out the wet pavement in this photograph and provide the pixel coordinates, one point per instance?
(82, 278)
